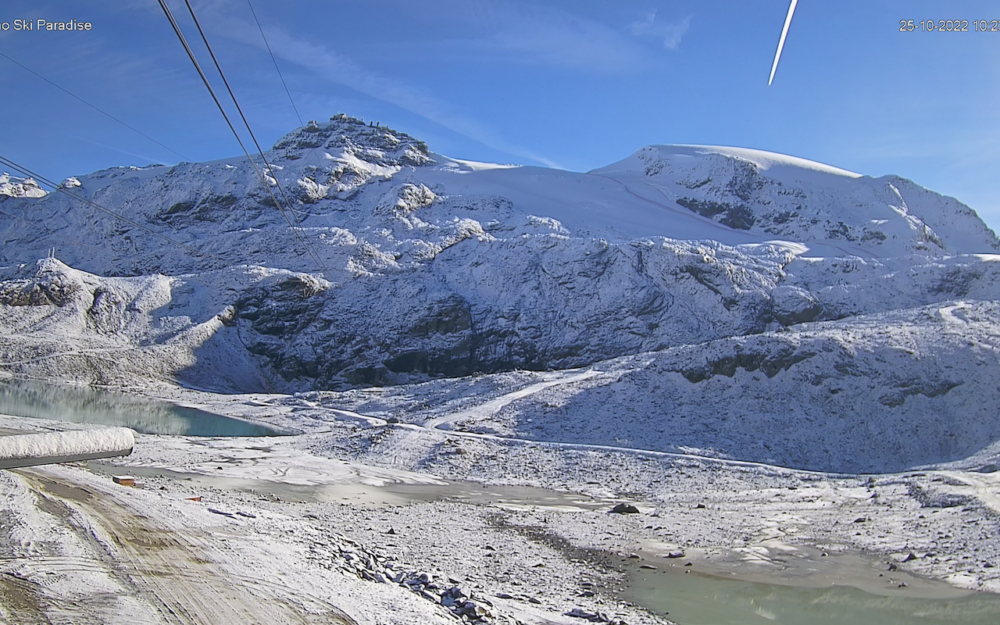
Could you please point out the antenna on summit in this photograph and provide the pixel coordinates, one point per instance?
(781, 42)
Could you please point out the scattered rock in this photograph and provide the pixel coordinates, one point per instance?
(593, 617)
(625, 508)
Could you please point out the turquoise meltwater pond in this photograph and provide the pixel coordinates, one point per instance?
(693, 599)
(89, 405)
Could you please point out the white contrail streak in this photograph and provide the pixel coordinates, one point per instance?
(781, 42)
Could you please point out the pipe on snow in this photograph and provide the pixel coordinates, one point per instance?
(26, 450)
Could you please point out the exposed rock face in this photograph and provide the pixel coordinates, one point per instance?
(357, 153)
(467, 317)
(789, 197)
(794, 305)
(868, 394)
(367, 335)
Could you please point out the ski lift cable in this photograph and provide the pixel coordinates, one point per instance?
(275, 61)
(208, 85)
(21, 169)
(232, 95)
(263, 157)
(93, 106)
(48, 231)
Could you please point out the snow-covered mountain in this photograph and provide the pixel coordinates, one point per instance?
(728, 262)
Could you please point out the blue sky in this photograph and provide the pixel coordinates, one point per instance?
(575, 84)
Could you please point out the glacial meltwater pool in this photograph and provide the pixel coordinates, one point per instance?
(693, 599)
(89, 405)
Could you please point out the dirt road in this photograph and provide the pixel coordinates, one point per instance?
(100, 560)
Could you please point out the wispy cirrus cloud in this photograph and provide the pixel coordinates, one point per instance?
(548, 36)
(526, 33)
(338, 68)
(670, 33)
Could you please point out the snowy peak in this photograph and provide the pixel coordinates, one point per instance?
(339, 156)
(19, 187)
(343, 135)
(801, 200)
(658, 157)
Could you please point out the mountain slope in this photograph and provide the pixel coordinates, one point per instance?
(782, 196)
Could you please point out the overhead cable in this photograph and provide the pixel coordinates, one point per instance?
(208, 85)
(218, 67)
(21, 169)
(93, 106)
(275, 61)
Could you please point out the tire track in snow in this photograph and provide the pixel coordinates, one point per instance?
(175, 570)
(494, 406)
(985, 490)
(413, 448)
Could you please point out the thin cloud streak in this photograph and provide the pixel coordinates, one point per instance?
(543, 36)
(670, 33)
(113, 148)
(533, 34)
(781, 42)
(342, 70)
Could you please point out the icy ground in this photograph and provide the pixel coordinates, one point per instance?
(342, 520)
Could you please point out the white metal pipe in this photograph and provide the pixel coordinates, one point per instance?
(25, 450)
